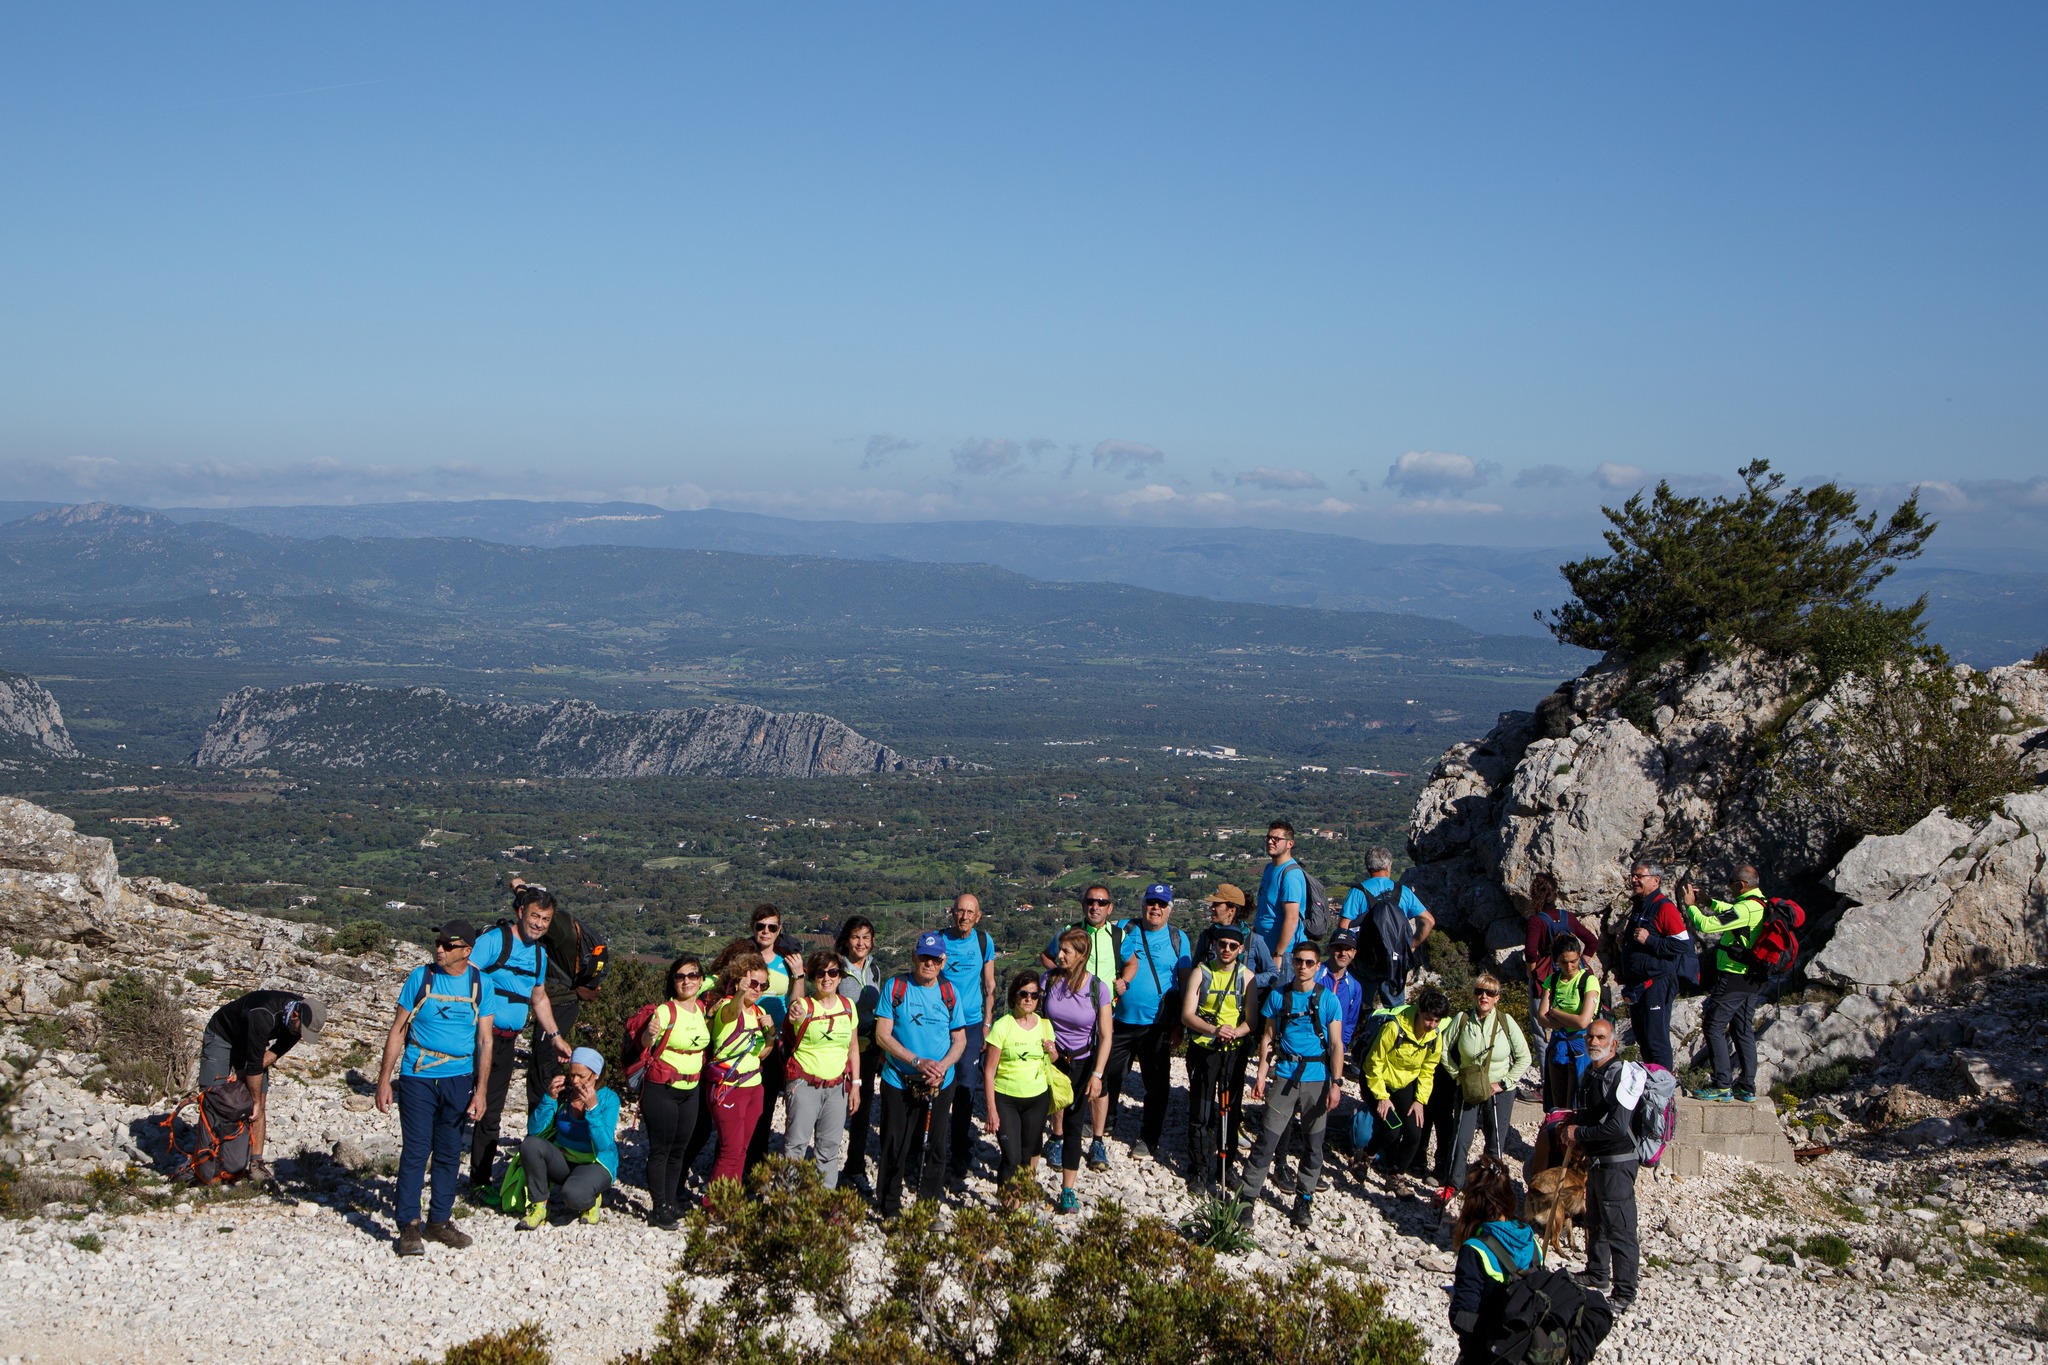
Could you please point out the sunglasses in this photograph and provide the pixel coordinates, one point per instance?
(829, 971)
(1098, 900)
(1308, 962)
(772, 926)
(690, 974)
(447, 947)
(753, 985)
(1027, 995)
(1487, 995)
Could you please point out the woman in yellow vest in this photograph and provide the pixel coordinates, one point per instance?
(675, 1040)
(1016, 1056)
(741, 1034)
(818, 1037)
(1217, 1010)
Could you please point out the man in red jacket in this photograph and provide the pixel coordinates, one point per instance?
(1657, 952)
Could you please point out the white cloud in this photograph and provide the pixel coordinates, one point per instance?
(881, 446)
(1279, 479)
(1132, 459)
(1438, 471)
(1620, 477)
(987, 456)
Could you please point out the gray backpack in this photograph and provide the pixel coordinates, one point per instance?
(214, 1147)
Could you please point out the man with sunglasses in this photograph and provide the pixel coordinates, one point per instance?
(512, 957)
(1657, 952)
(1283, 893)
(922, 1031)
(1217, 1010)
(1152, 958)
(1302, 1048)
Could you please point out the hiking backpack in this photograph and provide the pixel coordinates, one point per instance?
(1548, 1318)
(1386, 950)
(1773, 949)
(1314, 1015)
(1655, 1120)
(644, 1065)
(214, 1147)
(1318, 916)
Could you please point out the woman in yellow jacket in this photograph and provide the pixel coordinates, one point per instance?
(675, 1039)
(819, 1038)
(1400, 1073)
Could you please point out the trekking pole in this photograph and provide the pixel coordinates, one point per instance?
(1222, 1120)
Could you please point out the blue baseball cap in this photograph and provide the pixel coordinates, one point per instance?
(1159, 891)
(931, 945)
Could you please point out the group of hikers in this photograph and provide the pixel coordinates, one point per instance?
(1281, 996)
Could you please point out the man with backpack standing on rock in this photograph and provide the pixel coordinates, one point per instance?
(1657, 952)
(971, 970)
(1151, 960)
(1604, 1128)
(1283, 894)
(511, 959)
(1731, 1000)
(1302, 1048)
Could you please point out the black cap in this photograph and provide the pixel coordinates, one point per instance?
(1341, 940)
(1233, 932)
(456, 931)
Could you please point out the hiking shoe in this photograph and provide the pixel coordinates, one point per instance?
(1586, 1281)
(592, 1214)
(665, 1217)
(1054, 1150)
(410, 1243)
(1069, 1202)
(1620, 1306)
(1098, 1156)
(534, 1216)
(1714, 1094)
(448, 1235)
(1140, 1150)
(1744, 1096)
(1300, 1216)
(1283, 1178)
(1244, 1211)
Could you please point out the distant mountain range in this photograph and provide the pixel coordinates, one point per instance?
(424, 730)
(1987, 605)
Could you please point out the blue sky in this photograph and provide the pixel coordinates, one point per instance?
(1447, 272)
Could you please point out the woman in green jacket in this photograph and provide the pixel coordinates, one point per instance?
(1484, 1053)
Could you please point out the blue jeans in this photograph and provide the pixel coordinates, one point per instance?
(431, 1117)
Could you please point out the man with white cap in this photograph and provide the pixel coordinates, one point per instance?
(243, 1041)
(1153, 960)
(921, 1028)
(571, 1151)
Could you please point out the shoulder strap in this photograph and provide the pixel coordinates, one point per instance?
(946, 994)
(988, 946)
(1502, 1262)
(899, 986)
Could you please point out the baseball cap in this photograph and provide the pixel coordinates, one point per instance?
(1341, 940)
(456, 931)
(1159, 891)
(1233, 932)
(312, 1018)
(1229, 894)
(931, 945)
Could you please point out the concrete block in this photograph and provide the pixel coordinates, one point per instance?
(1766, 1150)
(1687, 1160)
(1732, 1119)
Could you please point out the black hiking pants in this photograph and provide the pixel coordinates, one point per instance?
(483, 1139)
(1151, 1047)
(1731, 1020)
(908, 1150)
(1613, 1258)
(1215, 1092)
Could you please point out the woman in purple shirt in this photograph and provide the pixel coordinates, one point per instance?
(1078, 1004)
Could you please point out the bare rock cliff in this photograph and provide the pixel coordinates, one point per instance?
(421, 729)
(30, 718)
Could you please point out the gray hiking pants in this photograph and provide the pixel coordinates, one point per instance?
(575, 1185)
(816, 1118)
(1283, 1100)
(1612, 1255)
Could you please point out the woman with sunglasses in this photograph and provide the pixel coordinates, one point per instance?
(1017, 1054)
(861, 982)
(824, 1065)
(741, 1034)
(1484, 1052)
(783, 956)
(675, 1041)
(1077, 1002)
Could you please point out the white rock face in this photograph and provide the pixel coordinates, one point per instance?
(31, 718)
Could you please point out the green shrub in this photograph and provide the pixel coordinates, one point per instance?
(994, 1285)
(361, 936)
(1822, 1080)
(143, 1038)
(89, 1241)
(629, 983)
(1827, 1248)
(525, 1344)
(1214, 1225)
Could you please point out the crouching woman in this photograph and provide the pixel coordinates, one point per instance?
(1494, 1247)
(571, 1152)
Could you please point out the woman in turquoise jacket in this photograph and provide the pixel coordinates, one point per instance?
(571, 1152)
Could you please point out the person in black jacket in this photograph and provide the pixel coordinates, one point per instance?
(244, 1039)
(1494, 1247)
(1657, 952)
(1603, 1126)
(574, 971)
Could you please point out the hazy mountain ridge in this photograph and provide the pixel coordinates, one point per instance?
(424, 730)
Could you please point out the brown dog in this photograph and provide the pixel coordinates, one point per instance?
(1557, 1188)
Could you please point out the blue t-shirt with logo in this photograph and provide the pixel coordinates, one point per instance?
(443, 1022)
(1298, 1035)
(1162, 955)
(921, 1024)
(1359, 899)
(1277, 886)
(965, 954)
(508, 987)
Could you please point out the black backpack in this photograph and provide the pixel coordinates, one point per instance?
(1386, 950)
(1549, 1318)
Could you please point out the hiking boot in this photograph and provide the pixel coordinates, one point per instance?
(1283, 1178)
(1069, 1201)
(1140, 1150)
(1714, 1094)
(665, 1216)
(1620, 1306)
(1244, 1211)
(259, 1171)
(480, 1195)
(410, 1243)
(1584, 1280)
(1098, 1156)
(1744, 1095)
(593, 1213)
(534, 1216)
(1300, 1216)
(448, 1235)
(1054, 1150)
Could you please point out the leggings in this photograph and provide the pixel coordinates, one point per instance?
(735, 1112)
(1079, 1071)
(670, 1115)
(577, 1185)
(1021, 1133)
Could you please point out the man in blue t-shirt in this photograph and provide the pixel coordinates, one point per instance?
(1150, 962)
(514, 967)
(921, 1027)
(1379, 879)
(1302, 1049)
(971, 970)
(1283, 893)
(439, 1040)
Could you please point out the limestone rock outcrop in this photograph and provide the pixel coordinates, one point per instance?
(30, 718)
(424, 730)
